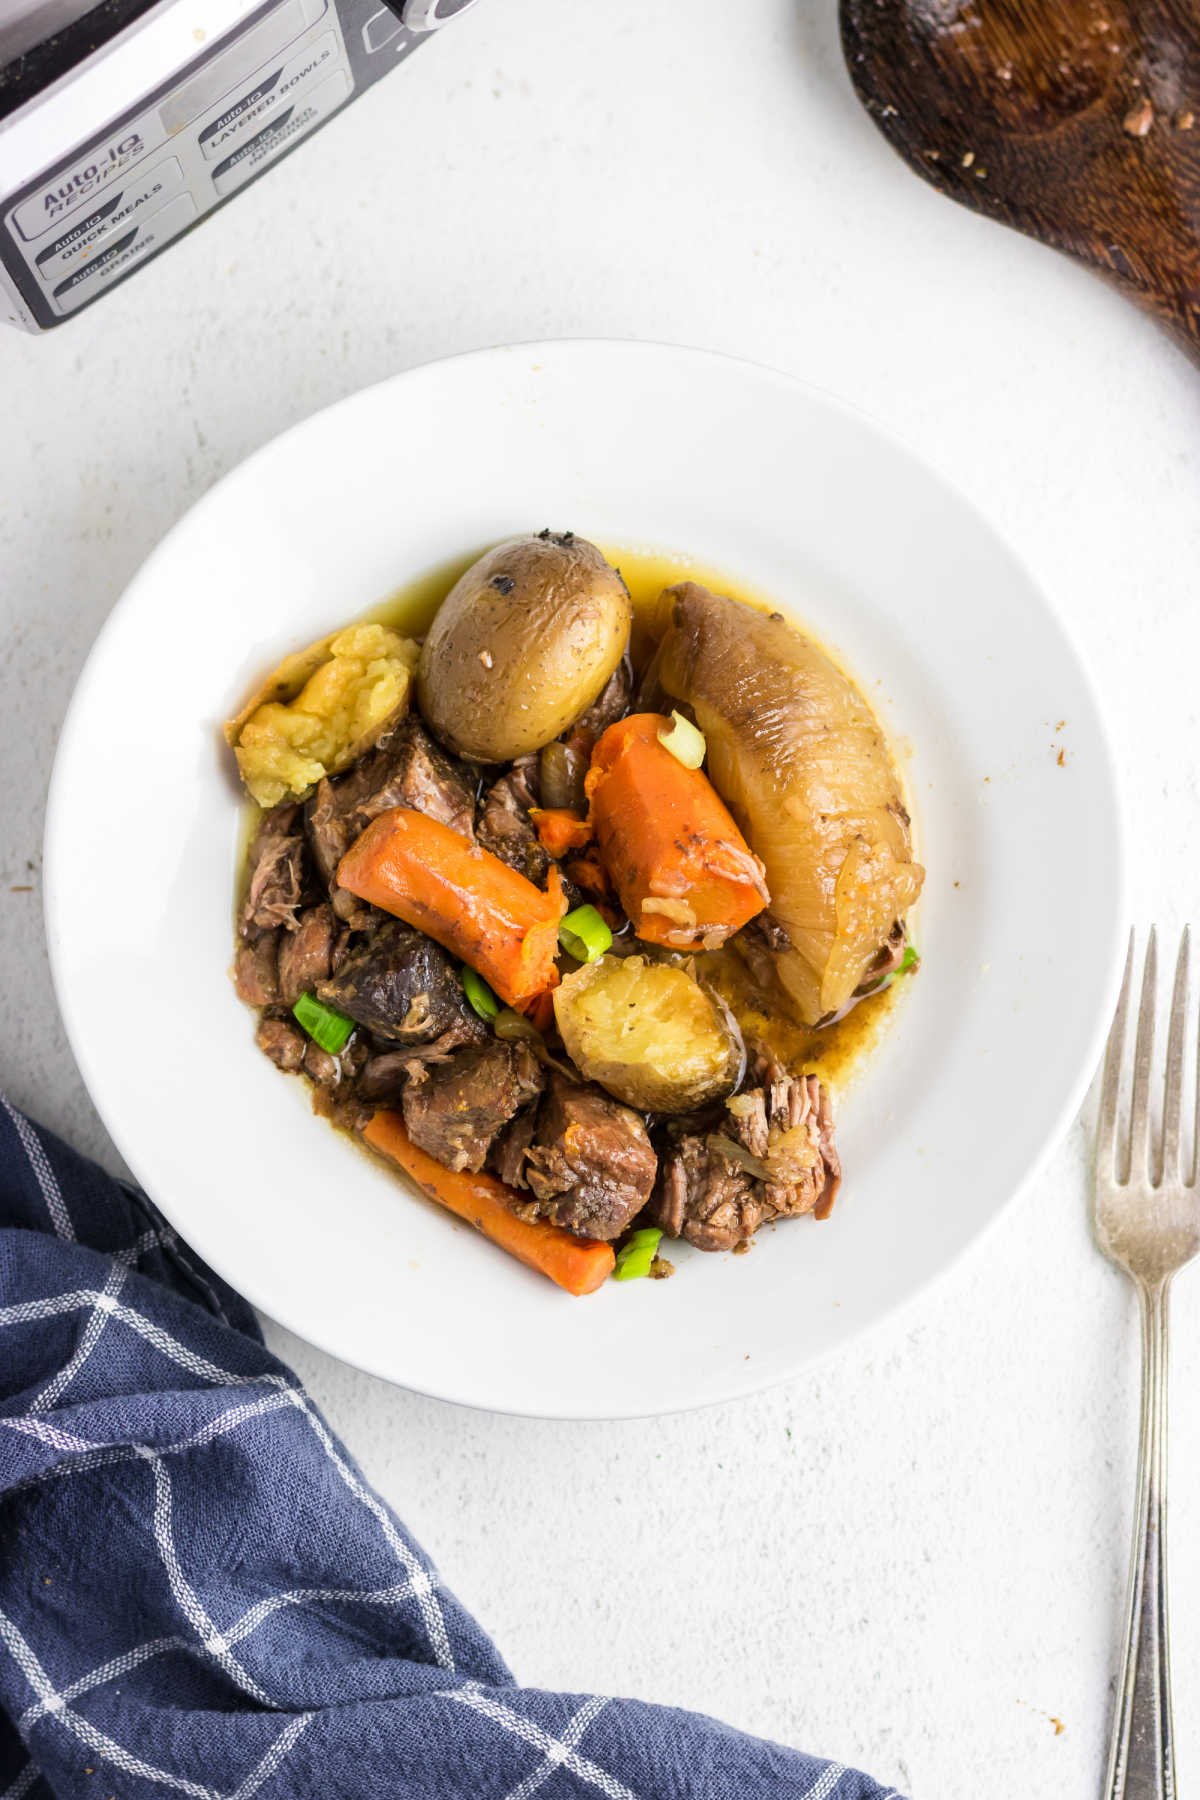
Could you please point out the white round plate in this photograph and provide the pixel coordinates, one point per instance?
(1021, 924)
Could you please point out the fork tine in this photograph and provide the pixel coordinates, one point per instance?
(1143, 1056)
(1106, 1126)
(1173, 1080)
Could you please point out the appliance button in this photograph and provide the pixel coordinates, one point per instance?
(116, 257)
(247, 53)
(427, 15)
(380, 30)
(282, 129)
(134, 201)
(236, 120)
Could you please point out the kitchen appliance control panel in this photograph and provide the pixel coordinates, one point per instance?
(93, 217)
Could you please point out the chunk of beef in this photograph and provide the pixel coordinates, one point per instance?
(403, 987)
(591, 1167)
(406, 769)
(283, 1042)
(696, 1185)
(334, 1071)
(454, 1110)
(505, 827)
(886, 962)
(256, 970)
(757, 945)
(326, 818)
(384, 1078)
(611, 705)
(306, 954)
(772, 1157)
(385, 1075)
(767, 927)
(419, 774)
(325, 822)
(507, 1156)
(277, 873)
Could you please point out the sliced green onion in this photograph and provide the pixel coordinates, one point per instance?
(584, 935)
(910, 960)
(636, 1254)
(480, 994)
(684, 740)
(325, 1025)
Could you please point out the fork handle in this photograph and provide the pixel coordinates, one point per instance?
(1142, 1763)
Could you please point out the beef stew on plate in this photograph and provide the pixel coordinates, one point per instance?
(564, 904)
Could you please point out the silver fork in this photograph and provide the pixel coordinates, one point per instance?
(1147, 1218)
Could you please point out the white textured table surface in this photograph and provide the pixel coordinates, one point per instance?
(914, 1557)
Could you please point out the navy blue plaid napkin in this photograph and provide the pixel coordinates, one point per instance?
(200, 1594)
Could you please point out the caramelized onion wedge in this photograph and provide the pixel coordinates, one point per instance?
(799, 759)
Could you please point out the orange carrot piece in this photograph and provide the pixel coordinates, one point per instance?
(559, 829)
(684, 872)
(589, 873)
(473, 904)
(580, 1265)
(540, 1012)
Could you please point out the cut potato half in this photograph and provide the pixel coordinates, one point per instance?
(321, 709)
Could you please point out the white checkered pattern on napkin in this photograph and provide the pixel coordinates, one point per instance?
(200, 1594)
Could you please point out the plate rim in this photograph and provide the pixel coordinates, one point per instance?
(741, 1380)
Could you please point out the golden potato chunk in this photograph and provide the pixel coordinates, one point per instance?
(648, 1033)
(359, 688)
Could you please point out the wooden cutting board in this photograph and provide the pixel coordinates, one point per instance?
(1074, 121)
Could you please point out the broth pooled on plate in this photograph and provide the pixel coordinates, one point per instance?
(563, 903)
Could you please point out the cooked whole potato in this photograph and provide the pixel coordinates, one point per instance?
(522, 645)
(648, 1033)
(321, 709)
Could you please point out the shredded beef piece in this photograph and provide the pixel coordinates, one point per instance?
(306, 953)
(256, 970)
(505, 827)
(341, 1106)
(757, 945)
(283, 1042)
(888, 960)
(507, 1156)
(405, 769)
(612, 704)
(454, 1110)
(277, 874)
(591, 1167)
(324, 820)
(334, 1071)
(424, 777)
(695, 1186)
(763, 1066)
(772, 1157)
(767, 927)
(404, 988)
(384, 1078)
